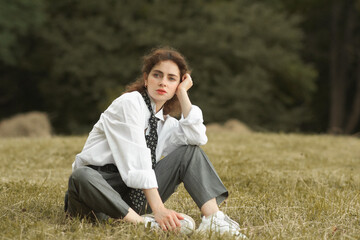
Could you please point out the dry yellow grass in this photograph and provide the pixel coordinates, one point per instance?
(282, 186)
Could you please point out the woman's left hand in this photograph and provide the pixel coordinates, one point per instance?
(185, 85)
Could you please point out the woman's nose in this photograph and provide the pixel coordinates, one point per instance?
(163, 81)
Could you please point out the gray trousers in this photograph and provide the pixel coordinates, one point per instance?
(101, 192)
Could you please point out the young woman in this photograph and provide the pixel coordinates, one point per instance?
(137, 154)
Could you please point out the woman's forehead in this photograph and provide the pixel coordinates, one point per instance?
(167, 67)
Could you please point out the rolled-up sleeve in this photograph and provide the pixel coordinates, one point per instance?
(122, 124)
(191, 130)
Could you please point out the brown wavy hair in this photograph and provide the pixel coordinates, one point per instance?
(157, 55)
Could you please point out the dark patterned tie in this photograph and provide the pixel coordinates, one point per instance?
(137, 196)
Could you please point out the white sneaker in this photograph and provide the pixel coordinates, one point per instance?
(187, 224)
(220, 223)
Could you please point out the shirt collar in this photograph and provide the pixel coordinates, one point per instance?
(159, 114)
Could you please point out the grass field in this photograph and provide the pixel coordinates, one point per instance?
(282, 186)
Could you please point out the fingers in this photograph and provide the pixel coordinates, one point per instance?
(171, 222)
(177, 221)
(187, 82)
(186, 76)
(179, 216)
(168, 220)
(169, 226)
(163, 227)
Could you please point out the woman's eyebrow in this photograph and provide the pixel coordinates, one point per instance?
(173, 75)
(170, 74)
(158, 71)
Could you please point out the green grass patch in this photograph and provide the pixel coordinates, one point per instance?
(282, 186)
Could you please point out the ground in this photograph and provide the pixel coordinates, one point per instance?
(282, 186)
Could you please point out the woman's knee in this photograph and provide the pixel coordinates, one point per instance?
(196, 150)
(81, 175)
(191, 152)
(191, 148)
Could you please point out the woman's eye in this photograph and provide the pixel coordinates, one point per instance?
(156, 75)
(172, 78)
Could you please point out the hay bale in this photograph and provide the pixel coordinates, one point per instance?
(232, 125)
(32, 124)
(214, 127)
(235, 125)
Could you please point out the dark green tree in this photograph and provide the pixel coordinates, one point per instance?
(245, 57)
(20, 21)
(332, 40)
(249, 56)
(244, 54)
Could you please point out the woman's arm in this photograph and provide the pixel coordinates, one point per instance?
(190, 128)
(123, 127)
(166, 218)
(183, 96)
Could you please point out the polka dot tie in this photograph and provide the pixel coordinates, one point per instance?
(137, 196)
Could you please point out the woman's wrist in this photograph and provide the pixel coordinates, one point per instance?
(185, 102)
(153, 197)
(157, 208)
(181, 92)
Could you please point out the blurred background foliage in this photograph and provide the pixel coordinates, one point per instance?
(276, 65)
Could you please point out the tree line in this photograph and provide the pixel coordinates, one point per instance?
(275, 65)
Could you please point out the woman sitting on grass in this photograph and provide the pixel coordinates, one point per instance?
(137, 154)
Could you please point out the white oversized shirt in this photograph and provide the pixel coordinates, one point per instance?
(119, 138)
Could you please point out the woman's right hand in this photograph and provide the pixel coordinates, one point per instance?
(185, 84)
(168, 219)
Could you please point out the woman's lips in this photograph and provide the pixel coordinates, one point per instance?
(161, 91)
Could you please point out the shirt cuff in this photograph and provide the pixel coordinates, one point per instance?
(195, 116)
(142, 179)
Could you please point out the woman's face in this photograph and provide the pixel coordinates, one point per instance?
(162, 82)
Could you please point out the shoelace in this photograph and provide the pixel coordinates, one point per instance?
(231, 222)
(232, 225)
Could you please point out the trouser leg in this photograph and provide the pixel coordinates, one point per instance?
(96, 192)
(190, 165)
